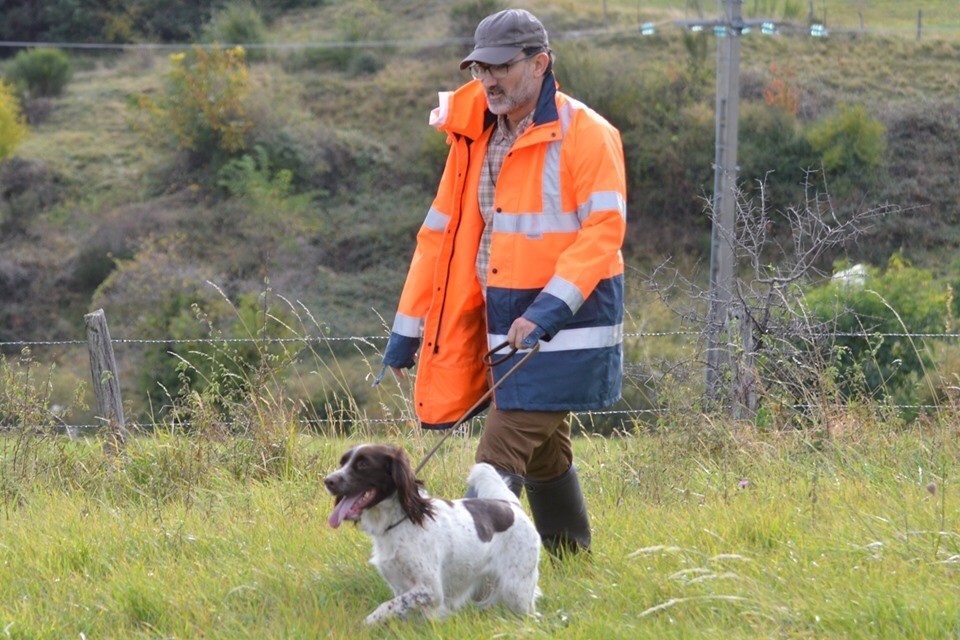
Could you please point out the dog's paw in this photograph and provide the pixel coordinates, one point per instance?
(373, 619)
(380, 614)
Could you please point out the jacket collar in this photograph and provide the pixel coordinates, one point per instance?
(546, 109)
(470, 117)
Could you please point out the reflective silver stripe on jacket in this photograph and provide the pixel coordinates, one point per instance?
(435, 220)
(407, 326)
(603, 201)
(536, 224)
(573, 339)
(566, 291)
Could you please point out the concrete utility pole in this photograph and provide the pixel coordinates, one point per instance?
(729, 30)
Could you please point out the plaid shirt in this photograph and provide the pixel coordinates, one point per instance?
(501, 140)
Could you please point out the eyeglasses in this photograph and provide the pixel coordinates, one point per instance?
(497, 71)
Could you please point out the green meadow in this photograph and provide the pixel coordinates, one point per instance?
(699, 532)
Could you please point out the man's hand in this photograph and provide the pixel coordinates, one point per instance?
(383, 371)
(519, 330)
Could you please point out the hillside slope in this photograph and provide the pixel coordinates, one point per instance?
(98, 214)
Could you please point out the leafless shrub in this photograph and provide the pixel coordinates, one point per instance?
(776, 351)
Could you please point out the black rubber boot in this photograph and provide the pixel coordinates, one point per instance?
(514, 483)
(560, 513)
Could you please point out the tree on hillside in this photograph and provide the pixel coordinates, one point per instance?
(202, 110)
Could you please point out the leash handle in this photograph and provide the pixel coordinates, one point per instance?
(490, 361)
(532, 342)
(489, 392)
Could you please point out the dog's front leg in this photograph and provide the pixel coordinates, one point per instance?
(400, 606)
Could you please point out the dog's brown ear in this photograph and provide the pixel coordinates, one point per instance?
(413, 504)
(402, 474)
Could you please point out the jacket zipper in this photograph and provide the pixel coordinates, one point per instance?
(443, 303)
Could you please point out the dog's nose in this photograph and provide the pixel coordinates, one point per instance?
(331, 482)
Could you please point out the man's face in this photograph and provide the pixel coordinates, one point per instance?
(517, 92)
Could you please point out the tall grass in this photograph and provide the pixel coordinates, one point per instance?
(706, 531)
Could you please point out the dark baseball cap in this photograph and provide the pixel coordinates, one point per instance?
(503, 35)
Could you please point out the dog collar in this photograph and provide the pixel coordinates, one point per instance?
(396, 523)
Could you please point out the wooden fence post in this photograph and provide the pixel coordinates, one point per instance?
(106, 379)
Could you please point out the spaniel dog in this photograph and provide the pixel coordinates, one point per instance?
(437, 554)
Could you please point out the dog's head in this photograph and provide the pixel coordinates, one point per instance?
(370, 474)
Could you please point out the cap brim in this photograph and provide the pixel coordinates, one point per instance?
(490, 55)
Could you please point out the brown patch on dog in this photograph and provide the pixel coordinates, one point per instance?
(489, 517)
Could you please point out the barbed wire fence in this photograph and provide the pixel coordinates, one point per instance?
(356, 340)
(630, 369)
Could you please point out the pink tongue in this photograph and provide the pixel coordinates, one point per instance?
(342, 509)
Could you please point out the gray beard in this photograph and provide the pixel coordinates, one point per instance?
(525, 94)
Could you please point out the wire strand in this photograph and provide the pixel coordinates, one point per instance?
(427, 43)
(382, 338)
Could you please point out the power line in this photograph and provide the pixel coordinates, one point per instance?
(174, 46)
(647, 28)
(410, 43)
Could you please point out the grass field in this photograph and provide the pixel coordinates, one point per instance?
(707, 533)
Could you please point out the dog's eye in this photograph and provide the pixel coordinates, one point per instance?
(362, 463)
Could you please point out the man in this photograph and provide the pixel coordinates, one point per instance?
(522, 243)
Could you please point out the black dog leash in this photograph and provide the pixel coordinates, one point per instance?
(490, 361)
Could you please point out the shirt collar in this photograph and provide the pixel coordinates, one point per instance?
(503, 130)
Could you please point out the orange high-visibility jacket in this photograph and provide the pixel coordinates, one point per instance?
(559, 223)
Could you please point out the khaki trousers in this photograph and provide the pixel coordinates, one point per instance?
(530, 444)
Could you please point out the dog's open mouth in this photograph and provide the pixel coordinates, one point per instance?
(350, 507)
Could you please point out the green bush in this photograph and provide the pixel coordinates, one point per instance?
(270, 214)
(252, 178)
(42, 73)
(850, 142)
(225, 370)
(202, 110)
(238, 23)
(773, 151)
(902, 299)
